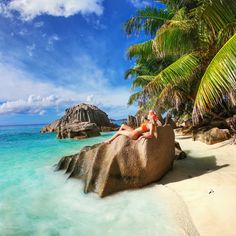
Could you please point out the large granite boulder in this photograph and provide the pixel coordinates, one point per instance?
(78, 130)
(212, 136)
(122, 164)
(78, 114)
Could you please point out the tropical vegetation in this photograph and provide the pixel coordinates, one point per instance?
(188, 64)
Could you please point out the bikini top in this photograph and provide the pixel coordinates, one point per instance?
(144, 127)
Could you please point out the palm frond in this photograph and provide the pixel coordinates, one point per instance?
(226, 33)
(140, 50)
(216, 13)
(179, 71)
(141, 81)
(177, 4)
(135, 97)
(176, 37)
(136, 71)
(148, 19)
(218, 79)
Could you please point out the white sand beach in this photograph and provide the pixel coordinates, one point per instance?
(206, 181)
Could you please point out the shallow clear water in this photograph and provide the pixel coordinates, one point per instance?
(35, 200)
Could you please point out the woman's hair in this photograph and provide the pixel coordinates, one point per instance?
(153, 116)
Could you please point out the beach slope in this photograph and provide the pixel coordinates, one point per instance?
(206, 181)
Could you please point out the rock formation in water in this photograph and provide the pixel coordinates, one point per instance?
(83, 119)
(51, 127)
(78, 130)
(122, 164)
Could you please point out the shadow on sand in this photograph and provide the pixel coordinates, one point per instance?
(191, 167)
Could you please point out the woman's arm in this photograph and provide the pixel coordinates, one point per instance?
(159, 123)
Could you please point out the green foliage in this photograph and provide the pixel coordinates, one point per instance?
(190, 64)
(216, 14)
(176, 73)
(218, 79)
(143, 49)
(149, 20)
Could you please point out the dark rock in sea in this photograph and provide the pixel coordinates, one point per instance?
(122, 164)
(78, 130)
(212, 136)
(51, 127)
(72, 122)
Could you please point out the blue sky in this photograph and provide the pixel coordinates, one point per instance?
(58, 53)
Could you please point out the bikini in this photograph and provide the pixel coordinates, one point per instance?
(144, 127)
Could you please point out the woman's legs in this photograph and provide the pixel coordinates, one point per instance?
(128, 133)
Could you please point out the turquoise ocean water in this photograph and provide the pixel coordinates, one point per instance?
(35, 200)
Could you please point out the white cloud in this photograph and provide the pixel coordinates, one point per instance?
(17, 87)
(4, 10)
(17, 84)
(140, 3)
(29, 9)
(32, 105)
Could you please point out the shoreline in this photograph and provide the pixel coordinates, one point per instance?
(206, 182)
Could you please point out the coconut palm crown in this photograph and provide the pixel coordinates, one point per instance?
(189, 63)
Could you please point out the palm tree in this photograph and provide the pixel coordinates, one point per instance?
(195, 49)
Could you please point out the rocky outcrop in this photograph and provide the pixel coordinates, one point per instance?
(170, 121)
(134, 121)
(179, 153)
(231, 121)
(81, 118)
(212, 136)
(51, 127)
(122, 164)
(78, 130)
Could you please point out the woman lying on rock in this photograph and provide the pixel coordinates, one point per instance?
(146, 130)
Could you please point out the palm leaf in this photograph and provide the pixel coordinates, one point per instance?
(148, 19)
(142, 49)
(218, 79)
(226, 33)
(216, 13)
(177, 4)
(135, 97)
(176, 37)
(179, 71)
(136, 71)
(141, 81)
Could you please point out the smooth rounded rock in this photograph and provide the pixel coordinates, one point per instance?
(122, 164)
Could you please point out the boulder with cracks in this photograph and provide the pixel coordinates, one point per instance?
(122, 164)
